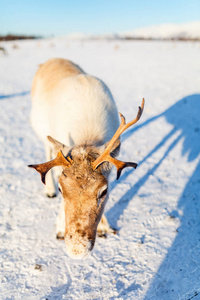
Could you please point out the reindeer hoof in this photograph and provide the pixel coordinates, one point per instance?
(102, 234)
(51, 195)
(60, 236)
(114, 231)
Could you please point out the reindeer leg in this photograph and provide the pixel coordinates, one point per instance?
(104, 228)
(60, 224)
(49, 189)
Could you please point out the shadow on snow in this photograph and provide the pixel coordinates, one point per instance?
(57, 293)
(178, 276)
(2, 97)
(179, 272)
(185, 118)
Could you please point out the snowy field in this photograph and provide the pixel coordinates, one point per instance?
(156, 207)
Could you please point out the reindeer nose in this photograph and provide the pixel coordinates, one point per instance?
(78, 248)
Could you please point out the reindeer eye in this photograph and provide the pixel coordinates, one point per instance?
(59, 188)
(103, 193)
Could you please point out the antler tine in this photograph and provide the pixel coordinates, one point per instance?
(60, 160)
(105, 156)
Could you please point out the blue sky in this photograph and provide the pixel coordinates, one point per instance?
(61, 17)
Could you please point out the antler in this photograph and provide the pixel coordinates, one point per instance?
(60, 160)
(105, 156)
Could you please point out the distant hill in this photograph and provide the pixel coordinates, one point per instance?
(186, 31)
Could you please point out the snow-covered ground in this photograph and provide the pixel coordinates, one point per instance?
(156, 207)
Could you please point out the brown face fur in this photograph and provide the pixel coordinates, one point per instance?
(84, 193)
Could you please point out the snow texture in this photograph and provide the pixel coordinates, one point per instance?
(156, 207)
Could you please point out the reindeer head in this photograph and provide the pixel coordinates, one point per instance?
(84, 186)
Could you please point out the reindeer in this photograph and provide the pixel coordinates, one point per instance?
(78, 110)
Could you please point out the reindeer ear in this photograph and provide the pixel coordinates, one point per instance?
(115, 148)
(57, 146)
(106, 166)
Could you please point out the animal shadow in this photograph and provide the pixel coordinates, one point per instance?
(2, 97)
(184, 116)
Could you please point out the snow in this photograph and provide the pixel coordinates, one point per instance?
(156, 207)
(190, 30)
